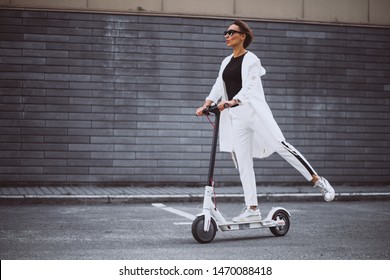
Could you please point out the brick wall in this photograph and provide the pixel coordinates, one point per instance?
(99, 98)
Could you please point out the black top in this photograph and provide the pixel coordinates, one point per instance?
(232, 76)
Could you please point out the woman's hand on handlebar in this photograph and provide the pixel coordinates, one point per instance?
(227, 104)
(199, 111)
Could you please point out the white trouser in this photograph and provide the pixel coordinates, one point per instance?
(247, 125)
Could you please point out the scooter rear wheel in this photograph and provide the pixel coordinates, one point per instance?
(198, 230)
(281, 230)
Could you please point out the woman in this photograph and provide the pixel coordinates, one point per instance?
(247, 126)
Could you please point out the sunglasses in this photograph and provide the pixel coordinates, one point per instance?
(231, 32)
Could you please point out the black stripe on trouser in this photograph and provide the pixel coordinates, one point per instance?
(301, 160)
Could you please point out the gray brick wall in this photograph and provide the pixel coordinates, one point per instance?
(98, 98)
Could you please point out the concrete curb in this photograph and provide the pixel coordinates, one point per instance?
(153, 198)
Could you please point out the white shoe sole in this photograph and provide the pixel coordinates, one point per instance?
(329, 197)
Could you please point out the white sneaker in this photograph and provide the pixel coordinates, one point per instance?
(326, 189)
(248, 215)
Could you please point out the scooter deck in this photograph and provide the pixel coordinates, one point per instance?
(250, 225)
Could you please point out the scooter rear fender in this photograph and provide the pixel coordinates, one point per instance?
(273, 211)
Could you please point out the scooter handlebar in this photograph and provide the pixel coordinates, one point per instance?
(213, 109)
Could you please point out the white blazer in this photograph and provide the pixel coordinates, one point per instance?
(252, 93)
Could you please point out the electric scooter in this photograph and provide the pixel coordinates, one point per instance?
(206, 224)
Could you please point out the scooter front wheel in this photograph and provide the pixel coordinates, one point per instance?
(198, 230)
(281, 216)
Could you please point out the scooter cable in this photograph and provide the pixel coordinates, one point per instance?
(212, 124)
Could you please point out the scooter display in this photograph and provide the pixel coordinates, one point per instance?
(206, 224)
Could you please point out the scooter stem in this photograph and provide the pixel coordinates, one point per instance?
(213, 149)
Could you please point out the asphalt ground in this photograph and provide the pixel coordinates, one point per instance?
(340, 230)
